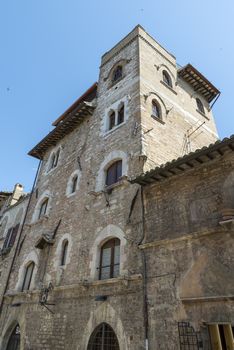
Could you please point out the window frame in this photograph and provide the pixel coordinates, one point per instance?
(43, 208)
(200, 106)
(117, 167)
(28, 273)
(64, 253)
(112, 243)
(74, 184)
(117, 74)
(156, 104)
(105, 334)
(54, 159)
(166, 78)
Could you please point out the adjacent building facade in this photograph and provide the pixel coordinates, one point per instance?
(122, 246)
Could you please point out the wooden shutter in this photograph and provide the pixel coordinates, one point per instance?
(5, 245)
(13, 236)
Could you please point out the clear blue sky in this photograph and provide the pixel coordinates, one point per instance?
(51, 49)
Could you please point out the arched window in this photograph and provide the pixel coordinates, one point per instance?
(74, 183)
(64, 252)
(113, 173)
(120, 115)
(200, 106)
(110, 259)
(14, 340)
(117, 74)
(111, 120)
(28, 276)
(103, 338)
(156, 110)
(43, 208)
(54, 160)
(167, 79)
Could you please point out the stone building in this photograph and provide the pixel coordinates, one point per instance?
(127, 240)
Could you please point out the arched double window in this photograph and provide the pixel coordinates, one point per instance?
(64, 253)
(117, 74)
(14, 340)
(200, 106)
(103, 338)
(166, 78)
(28, 276)
(156, 110)
(114, 173)
(43, 208)
(109, 259)
(116, 117)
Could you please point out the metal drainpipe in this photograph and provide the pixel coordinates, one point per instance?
(18, 242)
(145, 297)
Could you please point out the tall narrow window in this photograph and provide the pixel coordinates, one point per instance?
(28, 276)
(111, 120)
(117, 74)
(43, 208)
(200, 106)
(121, 115)
(56, 158)
(11, 236)
(103, 338)
(64, 253)
(110, 259)
(167, 79)
(74, 184)
(156, 110)
(114, 172)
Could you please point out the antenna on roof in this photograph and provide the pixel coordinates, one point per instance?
(187, 137)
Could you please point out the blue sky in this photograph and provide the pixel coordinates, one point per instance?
(50, 54)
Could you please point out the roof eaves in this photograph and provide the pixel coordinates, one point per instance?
(66, 126)
(187, 162)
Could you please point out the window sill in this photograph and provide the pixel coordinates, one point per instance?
(71, 194)
(167, 86)
(113, 83)
(122, 181)
(51, 170)
(108, 132)
(39, 221)
(158, 119)
(203, 114)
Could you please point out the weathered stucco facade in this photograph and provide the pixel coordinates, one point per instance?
(175, 242)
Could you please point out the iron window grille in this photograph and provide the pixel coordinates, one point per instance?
(103, 338)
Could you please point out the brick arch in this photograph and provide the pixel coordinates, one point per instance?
(104, 313)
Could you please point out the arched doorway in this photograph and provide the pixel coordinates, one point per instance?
(14, 340)
(103, 338)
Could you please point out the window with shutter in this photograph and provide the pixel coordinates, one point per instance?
(13, 236)
(110, 259)
(28, 277)
(114, 172)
